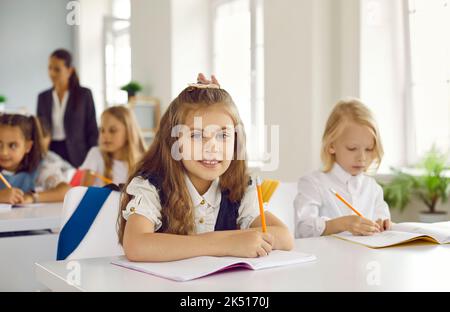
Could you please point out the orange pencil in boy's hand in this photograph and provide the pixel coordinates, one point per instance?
(261, 207)
(5, 181)
(346, 203)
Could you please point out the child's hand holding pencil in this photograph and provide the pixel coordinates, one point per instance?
(10, 195)
(355, 224)
(247, 244)
(360, 226)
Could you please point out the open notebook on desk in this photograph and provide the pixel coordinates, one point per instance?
(9, 207)
(189, 269)
(401, 233)
(34, 205)
(5, 208)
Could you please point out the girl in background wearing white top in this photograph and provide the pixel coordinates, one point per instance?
(51, 161)
(191, 194)
(120, 147)
(351, 146)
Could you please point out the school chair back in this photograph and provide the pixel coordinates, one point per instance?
(282, 203)
(89, 224)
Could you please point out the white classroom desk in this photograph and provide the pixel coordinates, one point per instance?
(340, 266)
(25, 239)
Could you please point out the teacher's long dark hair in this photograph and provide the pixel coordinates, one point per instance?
(74, 81)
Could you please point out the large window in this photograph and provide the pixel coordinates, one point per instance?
(405, 75)
(117, 52)
(429, 22)
(238, 61)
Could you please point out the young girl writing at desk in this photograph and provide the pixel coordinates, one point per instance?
(191, 194)
(21, 155)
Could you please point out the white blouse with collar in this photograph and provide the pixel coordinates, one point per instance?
(315, 204)
(145, 202)
(58, 112)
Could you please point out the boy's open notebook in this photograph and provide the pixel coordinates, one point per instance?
(189, 269)
(401, 233)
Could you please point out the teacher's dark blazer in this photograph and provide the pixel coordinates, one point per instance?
(80, 122)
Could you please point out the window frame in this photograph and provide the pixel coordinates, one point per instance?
(257, 110)
(108, 22)
(411, 150)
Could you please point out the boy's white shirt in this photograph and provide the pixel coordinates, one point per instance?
(315, 203)
(146, 202)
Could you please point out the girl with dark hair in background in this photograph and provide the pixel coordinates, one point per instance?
(21, 163)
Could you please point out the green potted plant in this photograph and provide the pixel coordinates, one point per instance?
(431, 186)
(132, 88)
(2, 102)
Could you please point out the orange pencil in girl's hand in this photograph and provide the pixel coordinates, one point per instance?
(104, 179)
(5, 181)
(346, 202)
(261, 207)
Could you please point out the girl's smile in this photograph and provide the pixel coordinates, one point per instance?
(208, 150)
(4, 162)
(210, 164)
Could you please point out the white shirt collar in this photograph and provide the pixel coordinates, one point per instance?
(63, 102)
(340, 173)
(352, 182)
(212, 196)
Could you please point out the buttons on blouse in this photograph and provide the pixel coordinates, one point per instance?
(202, 220)
(132, 210)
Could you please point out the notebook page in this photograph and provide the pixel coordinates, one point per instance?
(439, 231)
(181, 270)
(383, 239)
(34, 205)
(5, 208)
(280, 258)
(188, 269)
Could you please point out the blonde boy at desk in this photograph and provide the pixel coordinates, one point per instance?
(351, 146)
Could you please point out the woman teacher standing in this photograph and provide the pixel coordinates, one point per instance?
(69, 110)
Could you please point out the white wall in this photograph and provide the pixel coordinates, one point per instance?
(170, 43)
(151, 46)
(30, 31)
(310, 63)
(89, 45)
(190, 41)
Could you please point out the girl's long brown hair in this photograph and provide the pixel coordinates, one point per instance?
(177, 210)
(134, 145)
